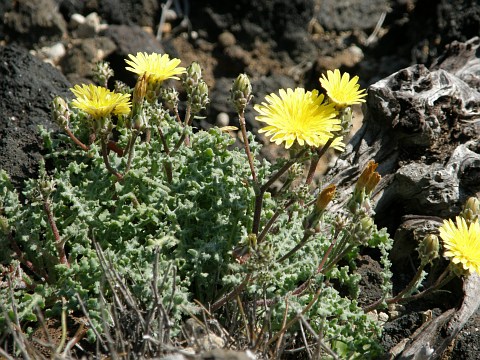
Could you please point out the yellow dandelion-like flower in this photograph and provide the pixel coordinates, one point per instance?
(342, 90)
(462, 243)
(100, 102)
(298, 115)
(157, 67)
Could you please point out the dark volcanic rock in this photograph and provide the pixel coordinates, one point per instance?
(27, 86)
(341, 15)
(119, 12)
(33, 21)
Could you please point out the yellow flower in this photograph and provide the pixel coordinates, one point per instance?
(100, 102)
(462, 243)
(341, 90)
(298, 115)
(157, 67)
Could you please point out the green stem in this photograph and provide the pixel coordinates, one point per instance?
(131, 151)
(313, 165)
(243, 127)
(59, 245)
(260, 192)
(306, 236)
(327, 253)
(107, 162)
(272, 220)
(76, 140)
(166, 165)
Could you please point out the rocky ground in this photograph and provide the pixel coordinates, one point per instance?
(279, 44)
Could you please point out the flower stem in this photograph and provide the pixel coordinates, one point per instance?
(260, 191)
(131, 151)
(442, 280)
(313, 165)
(271, 221)
(184, 138)
(107, 162)
(243, 127)
(166, 165)
(59, 244)
(76, 140)
(306, 236)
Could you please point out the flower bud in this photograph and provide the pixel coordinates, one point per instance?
(192, 77)
(170, 97)
(471, 210)
(102, 72)
(60, 112)
(372, 183)
(345, 117)
(241, 93)
(140, 91)
(362, 230)
(428, 248)
(199, 97)
(325, 197)
(154, 90)
(365, 176)
(140, 122)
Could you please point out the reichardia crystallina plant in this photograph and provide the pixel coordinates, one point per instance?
(135, 212)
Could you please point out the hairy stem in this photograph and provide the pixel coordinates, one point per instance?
(260, 192)
(59, 244)
(131, 151)
(76, 140)
(313, 165)
(243, 127)
(107, 162)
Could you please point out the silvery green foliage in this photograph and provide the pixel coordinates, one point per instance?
(194, 222)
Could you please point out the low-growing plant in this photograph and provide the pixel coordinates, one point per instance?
(137, 219)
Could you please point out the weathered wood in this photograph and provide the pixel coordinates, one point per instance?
(422, 126)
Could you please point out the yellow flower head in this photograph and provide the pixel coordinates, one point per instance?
(341, 90)
(462, 243)
(298, 115)
(157, 67)
(100, 102)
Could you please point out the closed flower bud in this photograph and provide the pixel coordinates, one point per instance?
(365, 176)
(154, 90)
(192, 77)
(199, 97)
(60, 112)
(471, 210)
(325, 197)
(428, 248)
(139, 121)
(241, 93)
(102, 72)
(345, 117)
(372, 183)
(362, 230)
(140, 91)
(170, 97)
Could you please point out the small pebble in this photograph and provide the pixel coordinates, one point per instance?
(76, 20)
(226, 39)
(222, 119)
(54, 52)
